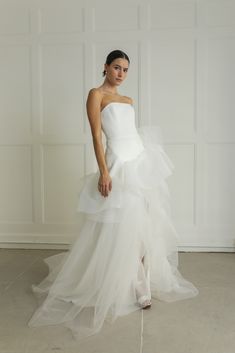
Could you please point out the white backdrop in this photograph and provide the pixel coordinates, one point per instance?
(182, 78)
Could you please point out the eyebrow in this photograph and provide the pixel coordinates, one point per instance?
(120, 66)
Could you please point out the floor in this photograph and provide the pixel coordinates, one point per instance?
(204, 324)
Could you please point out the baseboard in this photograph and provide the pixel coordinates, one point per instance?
(65, 246)
(206, 249)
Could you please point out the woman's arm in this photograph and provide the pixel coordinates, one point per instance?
(93, 105)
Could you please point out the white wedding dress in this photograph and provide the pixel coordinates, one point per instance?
(102, 276)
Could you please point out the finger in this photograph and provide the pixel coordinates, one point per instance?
(106, 190)
(102, 190)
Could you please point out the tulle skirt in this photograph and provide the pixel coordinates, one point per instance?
(126, 250)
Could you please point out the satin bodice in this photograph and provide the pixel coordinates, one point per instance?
(118, 125)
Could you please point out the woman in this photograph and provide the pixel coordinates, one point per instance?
(126, 252)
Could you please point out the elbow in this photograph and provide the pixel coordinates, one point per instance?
(97, 138)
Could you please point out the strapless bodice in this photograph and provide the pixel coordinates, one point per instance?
(118, 120)
(118, 125)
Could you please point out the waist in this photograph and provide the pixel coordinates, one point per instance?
(126, 147)
(123, 137)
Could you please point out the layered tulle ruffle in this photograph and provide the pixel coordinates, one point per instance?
(102, 276)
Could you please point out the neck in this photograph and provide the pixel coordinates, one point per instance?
(112, 89)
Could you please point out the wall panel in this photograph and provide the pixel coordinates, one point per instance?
(181, 78)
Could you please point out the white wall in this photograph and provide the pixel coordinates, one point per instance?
(182, 78)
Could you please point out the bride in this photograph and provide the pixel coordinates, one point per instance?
(126, 251)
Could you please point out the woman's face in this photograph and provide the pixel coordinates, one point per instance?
(116, 72)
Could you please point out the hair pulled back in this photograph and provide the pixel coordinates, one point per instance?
(115, 54)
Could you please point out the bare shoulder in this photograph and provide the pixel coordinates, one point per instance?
(94, 99)
(94, 93)
(129, 100)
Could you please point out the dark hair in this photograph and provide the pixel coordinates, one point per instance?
(115, 54)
